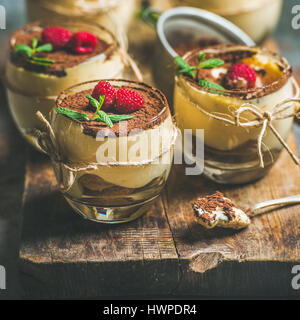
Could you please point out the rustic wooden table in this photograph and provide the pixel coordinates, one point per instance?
(165, 253)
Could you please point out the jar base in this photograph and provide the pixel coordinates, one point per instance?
(111, 215)
(235, 176)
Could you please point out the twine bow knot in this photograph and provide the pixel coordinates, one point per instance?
(264, 120)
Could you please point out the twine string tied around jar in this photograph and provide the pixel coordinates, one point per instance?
(47, 142)
(264, 119)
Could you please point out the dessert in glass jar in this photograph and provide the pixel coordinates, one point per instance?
(49, 56)
(112, 14)
(234, 93)
(258, 18)
(112, 148)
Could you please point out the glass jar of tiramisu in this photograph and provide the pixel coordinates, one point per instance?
(235, 93)
(258, 18)
(113, 14)
(36, 73)
(111, 171)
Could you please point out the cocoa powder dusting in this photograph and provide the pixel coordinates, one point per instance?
(147, 117)
(237, 89)
(63, 58)
(210, 203)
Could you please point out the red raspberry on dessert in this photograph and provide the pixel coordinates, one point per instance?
(242, 71)
(57, 36)
(83, 42)
(104, 88)
(128, 101)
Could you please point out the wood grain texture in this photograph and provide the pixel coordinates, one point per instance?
(166, 251)
(256, 261)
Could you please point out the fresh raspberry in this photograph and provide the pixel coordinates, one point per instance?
(104, 88)
(57, 36)
(83, 42)
(242, 70)
(128, 101)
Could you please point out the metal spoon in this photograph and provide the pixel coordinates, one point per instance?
(255, 210)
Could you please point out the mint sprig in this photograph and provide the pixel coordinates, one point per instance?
(186, 69)
(193, 71)
(99, 115)
(30, 52)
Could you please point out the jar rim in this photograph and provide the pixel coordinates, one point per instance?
(62, 22)
(131, 84)
(250, 93)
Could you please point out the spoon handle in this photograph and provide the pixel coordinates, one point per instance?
(283, 201)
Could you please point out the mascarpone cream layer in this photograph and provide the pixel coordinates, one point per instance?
(127, 167)
(39, 84)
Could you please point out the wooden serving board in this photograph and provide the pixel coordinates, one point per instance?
(165, 252)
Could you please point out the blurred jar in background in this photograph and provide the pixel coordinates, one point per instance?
(258, 18)
(109, 13)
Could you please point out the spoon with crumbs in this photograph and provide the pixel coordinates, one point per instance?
(218, 211)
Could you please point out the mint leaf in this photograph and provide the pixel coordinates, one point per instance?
(45, 48)
(99, 115)
(211, 63)
(30, 52)
(72, 114)
(187, 69)
(184, 67)
(92, 101)
(201, 56)
(119, 117)
(96, 104)
(41, 61)
(209, 86)
(34, 43)
(149, 15)
(23, 49)
(181, 62)
(103, 117)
